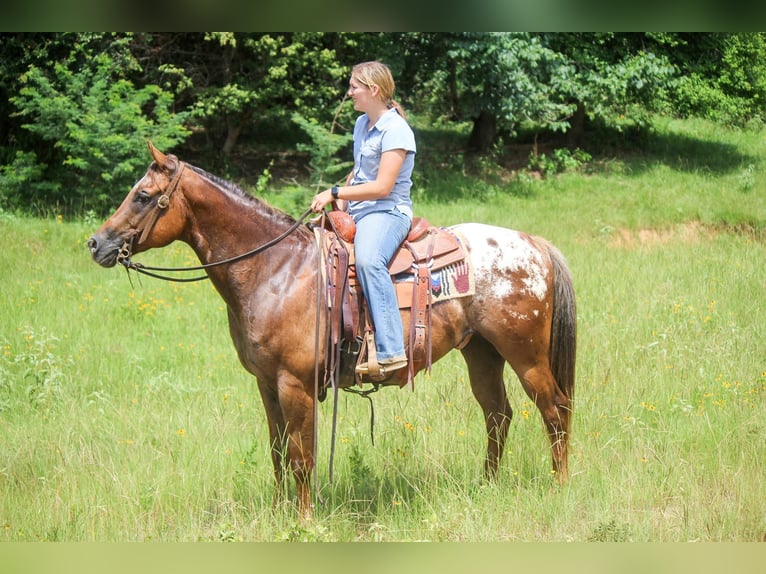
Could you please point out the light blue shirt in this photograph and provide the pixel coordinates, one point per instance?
(389, 133)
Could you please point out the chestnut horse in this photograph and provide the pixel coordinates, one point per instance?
(522, 312)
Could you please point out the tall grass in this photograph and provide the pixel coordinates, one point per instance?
(124, 414)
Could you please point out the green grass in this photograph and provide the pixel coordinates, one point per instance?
(124, 413)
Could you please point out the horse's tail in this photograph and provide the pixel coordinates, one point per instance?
(563, 350)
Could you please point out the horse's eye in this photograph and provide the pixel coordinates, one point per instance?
(142, 198)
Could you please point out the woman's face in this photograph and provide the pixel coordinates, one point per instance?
(362, 96)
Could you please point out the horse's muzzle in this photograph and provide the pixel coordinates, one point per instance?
(103, 251)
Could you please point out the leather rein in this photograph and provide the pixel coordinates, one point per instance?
(163, 201)
(124, 258)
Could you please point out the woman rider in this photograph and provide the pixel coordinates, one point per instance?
(377, 196)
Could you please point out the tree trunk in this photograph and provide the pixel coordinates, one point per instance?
(484, 132)
(231, 139)
(576, 134)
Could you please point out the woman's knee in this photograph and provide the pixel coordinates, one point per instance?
(369, 261)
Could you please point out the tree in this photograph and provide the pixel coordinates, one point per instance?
(501, 81)
(96, 123)
(264, 79)
(17, 52)
(76, 108)
(498, 81)
(724, 75)
(616, 79)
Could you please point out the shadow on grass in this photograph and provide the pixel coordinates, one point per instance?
(363, 496)
(678, 151)
(446, 172)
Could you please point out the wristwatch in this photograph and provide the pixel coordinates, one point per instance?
(334, 192)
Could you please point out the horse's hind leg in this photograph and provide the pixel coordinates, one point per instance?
(553, 404)
(485, 370)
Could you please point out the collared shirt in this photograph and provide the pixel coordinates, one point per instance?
(390, 132)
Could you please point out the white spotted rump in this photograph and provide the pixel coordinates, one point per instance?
(508, 259)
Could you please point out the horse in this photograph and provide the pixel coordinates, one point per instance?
(523, 310)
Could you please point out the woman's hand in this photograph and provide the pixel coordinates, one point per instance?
(320, 200)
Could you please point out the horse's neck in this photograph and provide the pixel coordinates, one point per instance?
(225, 226)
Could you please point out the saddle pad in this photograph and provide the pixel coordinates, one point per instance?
(450, 282)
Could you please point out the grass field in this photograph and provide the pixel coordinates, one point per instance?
(124, 413)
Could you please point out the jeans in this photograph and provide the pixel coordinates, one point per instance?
(378, 235)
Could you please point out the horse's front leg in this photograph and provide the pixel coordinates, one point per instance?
(297, 407)
(277, 437)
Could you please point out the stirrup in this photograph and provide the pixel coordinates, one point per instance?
(384, 370)
(370, 367)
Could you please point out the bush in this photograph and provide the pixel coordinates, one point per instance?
(731, 88)
(324, 151)
(98, 125)
(22, 180)
(559, 161)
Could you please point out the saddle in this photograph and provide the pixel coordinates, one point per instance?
(351, 332)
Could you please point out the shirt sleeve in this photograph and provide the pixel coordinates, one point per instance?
(398, 135)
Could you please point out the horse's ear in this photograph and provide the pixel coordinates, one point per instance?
(165, 162)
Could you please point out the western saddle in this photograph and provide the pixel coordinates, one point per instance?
(351, 332)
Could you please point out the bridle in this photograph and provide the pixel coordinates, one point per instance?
(149, 220)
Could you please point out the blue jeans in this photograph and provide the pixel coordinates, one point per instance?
(378, 235)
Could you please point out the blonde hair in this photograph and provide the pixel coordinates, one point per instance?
(378, 74)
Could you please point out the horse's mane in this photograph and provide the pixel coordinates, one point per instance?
(260, 205)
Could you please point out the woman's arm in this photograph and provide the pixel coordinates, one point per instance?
(390, 165)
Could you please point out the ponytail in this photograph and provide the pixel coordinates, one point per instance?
(398, 107)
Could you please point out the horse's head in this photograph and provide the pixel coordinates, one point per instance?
(150, 216)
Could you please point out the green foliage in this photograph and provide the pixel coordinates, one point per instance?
(292, 199)
(325, 164)
(229, 100)
(630, 89)
(262, 183)
(610, 532)
(22, 183)
(728, 82)
(513, 76)
(34, 374)
(617, 84)
(697, 95)
(97, 123)
(266, 78)
(560, 160)
(541, 82)
(744, 70)
(77, 108)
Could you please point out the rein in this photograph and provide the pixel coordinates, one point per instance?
(124, 256)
